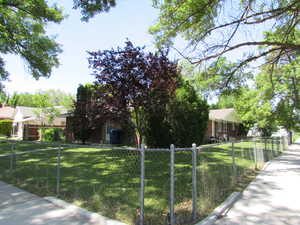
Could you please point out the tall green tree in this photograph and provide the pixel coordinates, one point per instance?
(213, 28)
(188, 116)
(22, 27)
(84, 121)
(23, 32)
(53, 98)
(182, 121)
(254, 111)
(282, 90)
(91, 8)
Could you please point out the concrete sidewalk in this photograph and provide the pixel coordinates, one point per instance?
(18, 207)
(273, 198)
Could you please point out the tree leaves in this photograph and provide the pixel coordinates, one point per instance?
(215, 28)
(130, 81)
(92, 7)
(22, 32)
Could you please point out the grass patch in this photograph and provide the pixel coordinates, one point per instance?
(296, 136)
(7, 146)
(107, 181)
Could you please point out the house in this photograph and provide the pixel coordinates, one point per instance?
(6, 112)
(107, 133)
(28, 120)
(223, 124)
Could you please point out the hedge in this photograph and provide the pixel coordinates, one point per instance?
(5, 127)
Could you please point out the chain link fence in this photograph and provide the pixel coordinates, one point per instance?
(174, 186)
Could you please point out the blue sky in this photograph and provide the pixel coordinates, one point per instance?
(130, 19)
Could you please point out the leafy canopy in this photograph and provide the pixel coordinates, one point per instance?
(214, 28)
(182, 121)
(22, 28)
(91, 8)
(84, 122)
(39, 98)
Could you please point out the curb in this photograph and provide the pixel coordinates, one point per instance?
(221, 209)
(94, 218)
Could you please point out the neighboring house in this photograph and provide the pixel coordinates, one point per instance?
(108, 133)
(223, 124)
(27, 122)
(6, 112)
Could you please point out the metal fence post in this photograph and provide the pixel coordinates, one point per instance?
(172, 184)
(233, 161)
(58, 171)
(278, 145)
(11, 166)
(194, 181)
(255, 154)
(282, 144)
(265, 144)
(142, 182)
(272, 147)
(262, 154)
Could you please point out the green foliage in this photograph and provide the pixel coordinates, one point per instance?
(84, 122)
(182, 122)
(22, 27)
(217, 80)
(158, 128)
(40, 98)
(190, 18)
(53, 134)
(213, 28)
(282, 91)
(91, 8)
(188, 117)
(274, 100)
(225, 101)
(5, 127)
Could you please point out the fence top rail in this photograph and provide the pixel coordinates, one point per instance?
(103, 147)
(31, 151)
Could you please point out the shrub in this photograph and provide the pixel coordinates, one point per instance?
(182, 121)
(53, 134)
(188, 117)
(5, 127)
(158, 130)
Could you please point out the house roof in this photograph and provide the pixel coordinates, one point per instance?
(7, 112)
(225, 115)
(30, 112)
(27, 111)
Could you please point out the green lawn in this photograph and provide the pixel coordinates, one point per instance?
(7, 146)
(296, 136)
(107, 181)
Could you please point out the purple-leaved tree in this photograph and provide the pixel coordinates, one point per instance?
(131, 81)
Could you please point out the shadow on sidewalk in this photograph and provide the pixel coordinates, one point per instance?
(273, 197)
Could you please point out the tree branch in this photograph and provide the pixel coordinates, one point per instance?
(255, 43)
(243, 63)
(279, 11)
